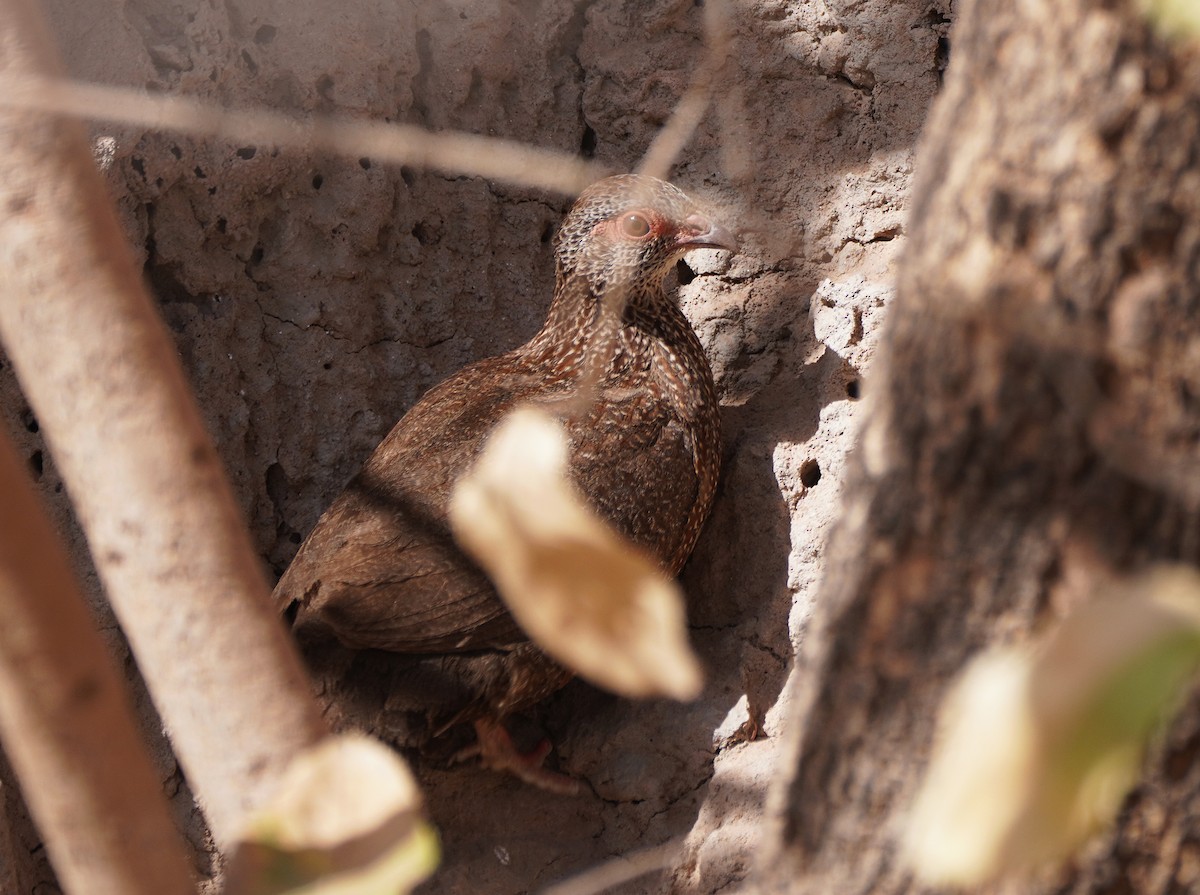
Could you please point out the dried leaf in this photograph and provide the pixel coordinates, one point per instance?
(589, 598)
(1037, 749)
(346, 821)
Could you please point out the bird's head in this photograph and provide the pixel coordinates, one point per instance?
(628, 231)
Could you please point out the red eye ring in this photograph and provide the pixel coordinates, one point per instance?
(635, 226)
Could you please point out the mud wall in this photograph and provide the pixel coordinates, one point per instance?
(314, 298)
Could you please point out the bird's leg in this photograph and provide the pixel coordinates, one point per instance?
(497, 752)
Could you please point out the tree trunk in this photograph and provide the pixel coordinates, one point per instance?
(1031, 428)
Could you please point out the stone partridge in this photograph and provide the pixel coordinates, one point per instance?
(394, 620)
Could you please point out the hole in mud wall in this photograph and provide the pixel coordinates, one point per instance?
(276, 481)
(587, 145)
(810, 473)
(421, 233)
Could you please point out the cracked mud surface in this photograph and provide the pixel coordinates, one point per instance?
(313, 299)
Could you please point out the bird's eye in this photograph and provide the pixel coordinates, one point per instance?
(635, 225)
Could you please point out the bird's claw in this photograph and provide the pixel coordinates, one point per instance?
(496, 751)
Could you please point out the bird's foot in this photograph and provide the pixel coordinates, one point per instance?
(497, 752)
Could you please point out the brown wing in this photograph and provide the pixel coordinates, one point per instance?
(649, 458)
(378, 577)
(381, 570)
(635, 464)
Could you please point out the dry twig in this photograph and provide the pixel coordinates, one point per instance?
(619, 870)
(401, 144)
(66, 721)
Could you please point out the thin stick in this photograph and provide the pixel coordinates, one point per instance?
(619, 870)
(403, 144)
(689, 111)
(66, 720)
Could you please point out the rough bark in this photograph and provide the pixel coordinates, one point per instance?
(1031, 428)
(99, 370)
(67, 723)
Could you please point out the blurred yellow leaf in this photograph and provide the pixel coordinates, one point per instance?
(346, 821)
(1036, 749)
(980, 776)
(1175, 18)
(588, 597)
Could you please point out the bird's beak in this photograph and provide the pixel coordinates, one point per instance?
(702, 233)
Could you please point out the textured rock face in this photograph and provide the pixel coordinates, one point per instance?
(315, 298)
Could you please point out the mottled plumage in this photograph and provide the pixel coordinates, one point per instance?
(380, 575)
